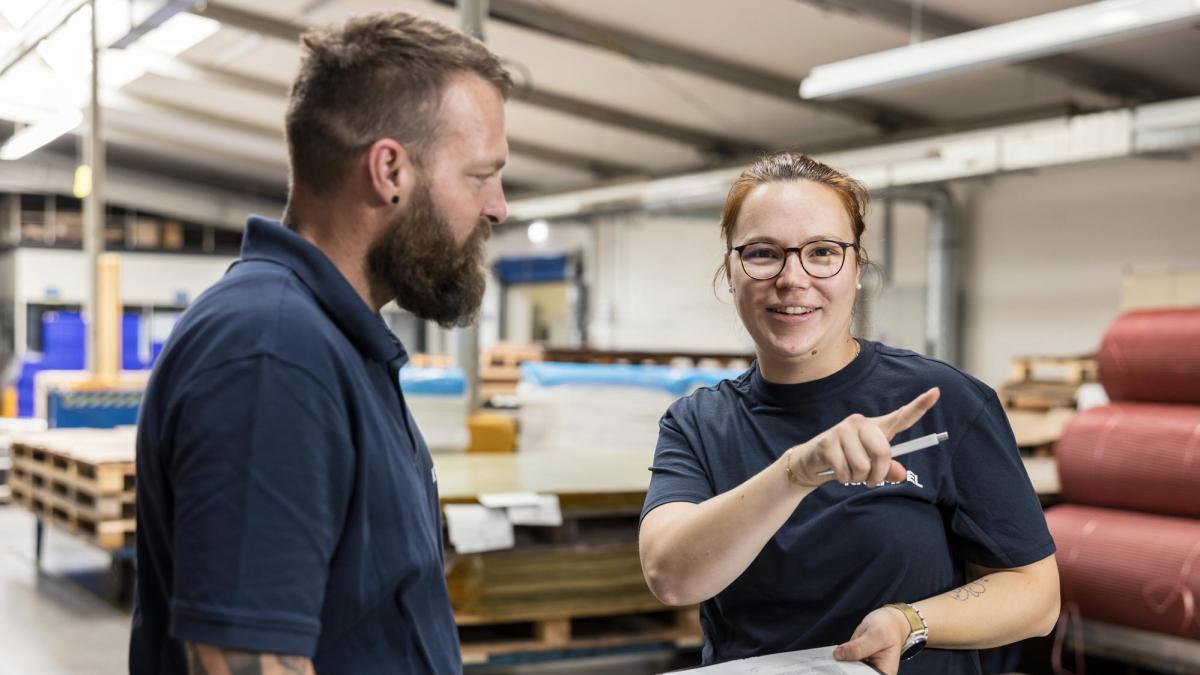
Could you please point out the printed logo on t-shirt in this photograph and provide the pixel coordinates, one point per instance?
(910, 478)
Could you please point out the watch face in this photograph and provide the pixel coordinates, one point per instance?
(912, 648)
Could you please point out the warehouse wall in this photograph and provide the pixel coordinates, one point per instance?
(1043, 257)
(1046, 252)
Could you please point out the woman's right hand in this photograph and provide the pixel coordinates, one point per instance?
(858, 448)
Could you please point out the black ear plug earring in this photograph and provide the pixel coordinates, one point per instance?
(395, 199)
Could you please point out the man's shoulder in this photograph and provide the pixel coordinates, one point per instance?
(257, 308)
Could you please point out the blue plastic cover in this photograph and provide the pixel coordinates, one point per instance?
(531, 269)
(673, 380)
(416, 381)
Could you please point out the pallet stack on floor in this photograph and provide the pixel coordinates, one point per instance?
(568, 589)
(1042, 383)
(560, 597)
(500, 368)
(1042, 397)
(80, 480)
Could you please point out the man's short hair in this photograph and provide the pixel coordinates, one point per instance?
(375, 76)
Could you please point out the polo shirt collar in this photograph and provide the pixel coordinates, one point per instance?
(268, 240)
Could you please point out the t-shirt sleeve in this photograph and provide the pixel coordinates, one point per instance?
(262, 472)
(677, 474)
(996, 518)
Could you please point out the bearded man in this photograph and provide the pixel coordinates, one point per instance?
(287, 507)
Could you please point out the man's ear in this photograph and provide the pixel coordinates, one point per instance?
(392, 172)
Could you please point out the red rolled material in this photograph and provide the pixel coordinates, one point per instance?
(1130, 569)
(1135, 456)
(1152, 355)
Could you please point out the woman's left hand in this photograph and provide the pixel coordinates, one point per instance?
(878, 640)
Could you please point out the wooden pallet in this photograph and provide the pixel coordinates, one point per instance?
(110, 535)
(431, 361)
(500, 367)
(482, 641)
(115, 506)
(1038, 396)
(550, 580)
(99, 464)
(81, 480)
(1059, 369)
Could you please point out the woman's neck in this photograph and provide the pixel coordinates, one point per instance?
(820, 363)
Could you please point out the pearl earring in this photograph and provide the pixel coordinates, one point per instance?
(858, 286)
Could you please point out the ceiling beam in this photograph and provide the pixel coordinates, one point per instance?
(252, 22)
(641, 48)
(601, 168)
(185, 71)
(1101, 77)
(714, 144)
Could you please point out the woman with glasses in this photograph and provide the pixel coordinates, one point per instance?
(774, 501)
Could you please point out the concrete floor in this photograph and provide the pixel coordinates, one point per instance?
(56, 622)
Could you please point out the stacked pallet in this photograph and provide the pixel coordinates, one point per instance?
(541, 580)
(9, 428)
(81, 480)
(1041, 383)
(565, 597)
(1042, 397)
(500, 368)
(577, 586)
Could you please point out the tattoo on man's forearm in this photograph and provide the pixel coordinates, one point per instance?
(244, 663)
(973, 589)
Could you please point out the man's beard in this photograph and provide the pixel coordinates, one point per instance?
(418, 261)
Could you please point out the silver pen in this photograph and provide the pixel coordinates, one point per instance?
(908, 446)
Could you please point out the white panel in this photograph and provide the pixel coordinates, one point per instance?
(61, 275)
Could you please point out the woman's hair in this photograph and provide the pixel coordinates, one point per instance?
(793, 166)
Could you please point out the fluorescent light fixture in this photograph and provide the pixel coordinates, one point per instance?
(1056, 32)
(538, 232)
(40, 133)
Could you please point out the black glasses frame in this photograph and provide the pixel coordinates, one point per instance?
(799, 250)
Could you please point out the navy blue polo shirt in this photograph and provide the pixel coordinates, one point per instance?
(848, 550)
(286, 500)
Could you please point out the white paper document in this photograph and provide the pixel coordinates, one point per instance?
(474, 528)
(526, 508)
(817, 661)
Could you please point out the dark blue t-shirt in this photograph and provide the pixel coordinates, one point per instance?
(286, 500)
(848, 550)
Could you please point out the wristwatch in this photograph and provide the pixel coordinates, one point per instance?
(918, 631)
